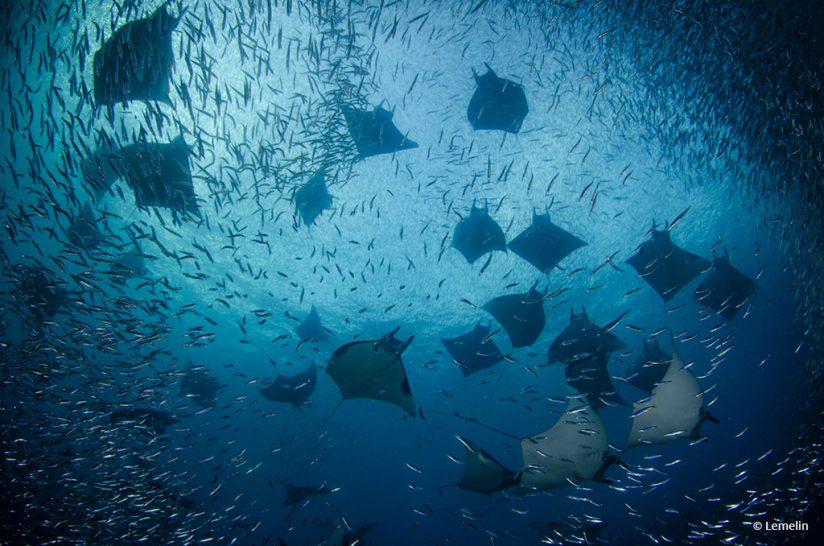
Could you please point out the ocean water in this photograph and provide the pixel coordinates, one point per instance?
(130, 388)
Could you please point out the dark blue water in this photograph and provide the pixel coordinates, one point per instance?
(698, 119)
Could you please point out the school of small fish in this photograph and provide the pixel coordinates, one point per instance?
(382, 272)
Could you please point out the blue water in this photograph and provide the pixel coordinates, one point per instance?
(630, 123)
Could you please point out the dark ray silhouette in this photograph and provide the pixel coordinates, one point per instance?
(497, 104)
(521, 316)
(585, 348)
(83, 232)
(374, 132)
(482, 473)
(296, 494)
(589, 376)
(311, 330)
(159, 174)
(474, 351)
(666, 267)
(724, 289)
(582, 339)
(478, 234)
(651, 367)
(293, 389)
(42, 295)
(544, 244)
(135, 63)
(200, 386)
(312, 199)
